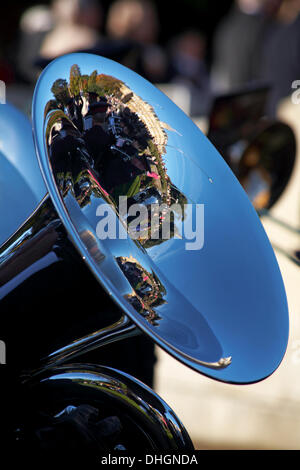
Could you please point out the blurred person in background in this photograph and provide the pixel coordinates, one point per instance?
(281, 54)
(188, 67)
(77, 26)
(137, 21)
(35, 23)
(238, 42)
(66, 26)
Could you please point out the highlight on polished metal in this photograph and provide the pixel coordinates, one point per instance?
(155, 424)
(102, 132)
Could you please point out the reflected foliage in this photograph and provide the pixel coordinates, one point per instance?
(104, 142)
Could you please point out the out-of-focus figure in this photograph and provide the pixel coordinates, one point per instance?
(238, 42)
(36, 22)
(77, 26)
(281, 54)
(137, 21)
(189, 68)
(133, 19)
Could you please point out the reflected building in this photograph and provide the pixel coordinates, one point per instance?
(96, 121)
(104, 141)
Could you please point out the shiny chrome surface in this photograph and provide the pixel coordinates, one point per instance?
(21, 183)
(148, 422)
(102, 131)
(42, 315)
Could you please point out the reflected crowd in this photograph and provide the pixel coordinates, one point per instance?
(106, 143)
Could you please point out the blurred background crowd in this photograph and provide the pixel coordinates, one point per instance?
(209, 48)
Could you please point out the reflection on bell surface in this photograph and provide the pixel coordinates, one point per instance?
(108, 140)
(104, 143)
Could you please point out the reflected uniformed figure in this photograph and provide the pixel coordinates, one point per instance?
(128, 141)
(101, 148)
(148, 292)
(95, 127)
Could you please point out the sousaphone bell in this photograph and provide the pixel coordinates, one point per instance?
(75, 277)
